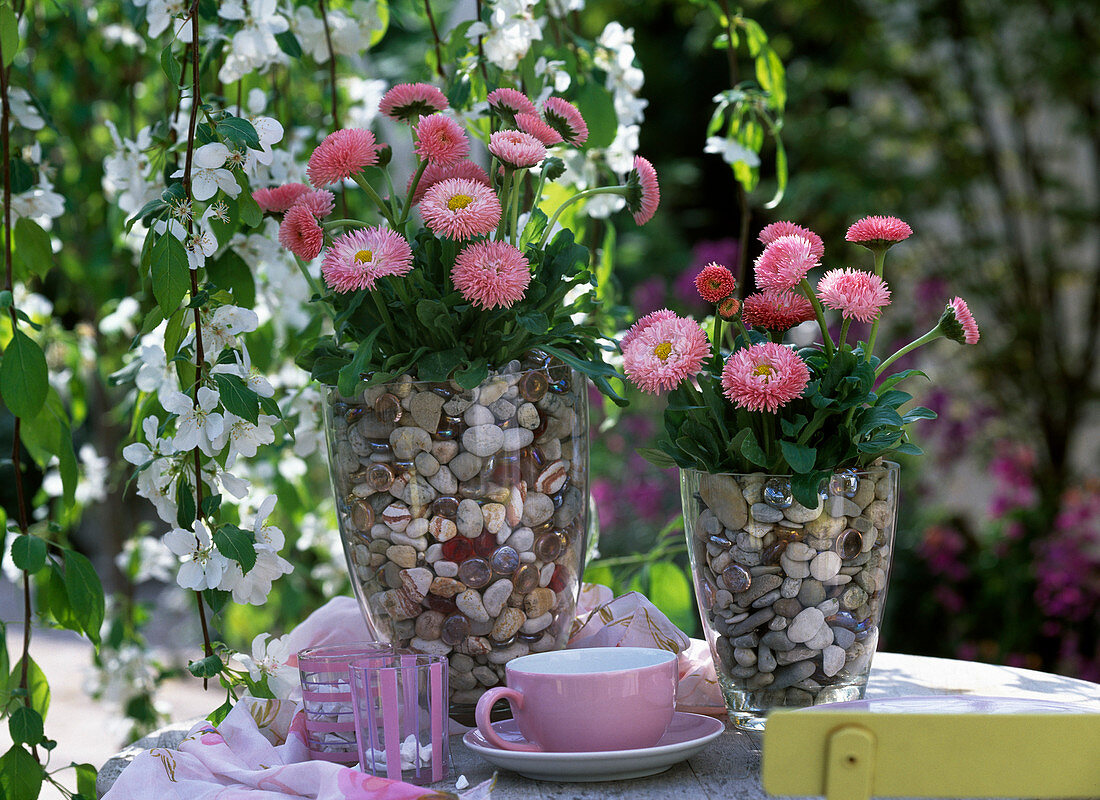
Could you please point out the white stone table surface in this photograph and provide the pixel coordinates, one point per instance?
(730, 767)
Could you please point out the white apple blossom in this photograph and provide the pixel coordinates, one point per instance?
(560, 8)
(364, 95)
(243, 369)
(157, 484)
(555, 75)
(254, 586)
(154, 372)
(243, 437)
(162, 13)
(207, 174)
(39, 203)
(139, 453)
(269, 131)
(235, 485)
(508, 36)
(221, 328)
(269, 660)
(254, 46)
(202, 243)
(146, 558)
(195, 426)
(121, 320)
(23, 110)
(732, 151)
(202, 565)
(351, 33)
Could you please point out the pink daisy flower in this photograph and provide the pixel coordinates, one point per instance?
(958, 324)
(784, 262)
(278, 199)
(772, 232)
(300, 234)
(341, 155)
(643, 191)
(459, 208)
(665, 353)
(649, 319)
(729, 307)
(566, 119)
(359, 258)
(320, 202)
(537, 127)
(441, 140)
(517, 149)
(434, 173)
(777, 311)
(409, 101)
(854, 293)
(506, 103)
(764, 377)
(715, 283)
(878, 232)
(491, 274)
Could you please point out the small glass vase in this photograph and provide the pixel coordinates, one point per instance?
(464, 514)
(791, 598)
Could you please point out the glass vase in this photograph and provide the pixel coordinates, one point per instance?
(791, 598)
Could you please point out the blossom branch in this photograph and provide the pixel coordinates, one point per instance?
(438, 43)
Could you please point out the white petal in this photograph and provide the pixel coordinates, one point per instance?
(208, 398)
(211, 156)
(180, 542)
(204, 184)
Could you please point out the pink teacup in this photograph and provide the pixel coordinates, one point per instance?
(575, 701)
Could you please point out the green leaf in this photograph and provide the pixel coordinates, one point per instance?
(239, 131)
(38, 688)
(171, 66)
(22, 175)
(9, 33)
(185, 504)
(85, 780)
(247, 207)
(893, 398)
(898, 377)
(438, 365)
(216, 599)
(85, 593)
(229, 271)
(670, 590)
(209, 667)
(800, 457)
(288, 43)
(920, 412)
(54, 598)
(170, 272)
(32, 245)
(28, 553)
(805, 487)
(210, 504)
(20, 775)
(534, 321)
(473, 374)
(24, 378)
(598, 108)
(658, 458)
(234, 543)
(350, 374)
(750, 449)
(237, 397)
(25, 725)
(909, 449)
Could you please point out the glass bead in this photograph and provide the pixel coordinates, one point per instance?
(380, 477)
(843, 619)
(382, 448)
(772, 553)
(485, 544)
(559, 579)
(849, 543)
(505, 560)
(844, 483)
(458, 549)
(529, 638)
(445, 506)
(475, 572)
(444, 605)
(719, 541)
(707, 593)
(549, 546)
(339, 409)
(526, 578)
(536, 359)
(354, 414)
(362, 515)
(443, 390)
(533, 386)
(777, 493)
(506, 469)
(736, 578)
(388, 408)
(455, 628)
(500, 645)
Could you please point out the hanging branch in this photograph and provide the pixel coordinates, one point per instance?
(331, 64)
(438, 43)
(742, 195)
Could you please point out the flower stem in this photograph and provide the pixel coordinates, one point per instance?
(342, 223)
(844, 331)
(309, 278)
(716, 339)
(373, 195)
(423, 165)
(385, 313)
(880, 262)
(620, 190)
(506, 202)
(931, 336)
(819, 312)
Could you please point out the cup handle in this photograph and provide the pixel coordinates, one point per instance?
(484, 725)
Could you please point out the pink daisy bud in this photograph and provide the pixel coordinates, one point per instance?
(566, 119)
(854, 293)
(777, 311)
(878, 233)
(517, 149)
(441, 140)
(667, 352)
(341, 155)
(278, 199)
(359, 258)
(534, 125)
(643, 191)
(410, 101)
(772, 232)
(715, 283)
(958, 324)
(729, 307)
(506, 103)
(434, 173)
(459, 208)
(649, 319)
(764, 377)
(491, 274)
(319, 202)
(300, 234)
(784, 263)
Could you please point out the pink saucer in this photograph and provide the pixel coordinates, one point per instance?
(686, 736)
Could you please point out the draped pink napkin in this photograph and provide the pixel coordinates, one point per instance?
(258, 752)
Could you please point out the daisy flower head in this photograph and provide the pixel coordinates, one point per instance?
(277, 199)
(341, 155)
(878, 233)
(729, 307)
(958, 324)
(566, 119)
(715, 283)
(667, 352)
(776, 229)
(359, 258)
(506, 103)
(434, 173)
(300, 234)
(764, 377)
(410, 101)
(441, 140)
(517, 149)
(320, 202)
(854, 293)
(777, 311)
(460, 208)
(641, 325)
(533, 124)
(491, 274)
(784, 263)
(643, 191)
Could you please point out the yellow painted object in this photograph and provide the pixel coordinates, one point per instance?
(855, 755)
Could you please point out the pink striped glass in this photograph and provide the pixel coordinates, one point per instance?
(401, 716)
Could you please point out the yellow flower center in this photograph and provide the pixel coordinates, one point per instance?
(364, 257)
(663, 350)
(459, 201)
(767, 370)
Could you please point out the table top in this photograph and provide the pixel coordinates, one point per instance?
(730, 766)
